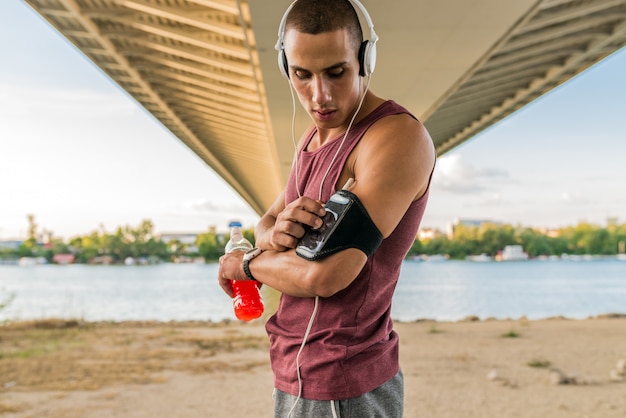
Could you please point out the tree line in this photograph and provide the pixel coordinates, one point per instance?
(137, 243)
(490, 238)
(141, 242)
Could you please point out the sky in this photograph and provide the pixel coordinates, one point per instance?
(81, 155)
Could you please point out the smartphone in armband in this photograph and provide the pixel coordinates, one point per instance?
(312, 243)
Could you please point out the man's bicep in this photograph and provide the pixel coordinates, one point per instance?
(393, 175)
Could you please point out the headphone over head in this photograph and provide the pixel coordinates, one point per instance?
(367, 51)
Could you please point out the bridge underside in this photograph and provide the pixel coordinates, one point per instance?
(206, 69)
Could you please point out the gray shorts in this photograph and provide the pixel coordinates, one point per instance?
(386, 401)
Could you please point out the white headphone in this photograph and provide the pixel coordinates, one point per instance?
(367, 51)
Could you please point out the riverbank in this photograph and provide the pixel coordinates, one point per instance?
(470, 369)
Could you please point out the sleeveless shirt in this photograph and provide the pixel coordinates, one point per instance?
(352, 347)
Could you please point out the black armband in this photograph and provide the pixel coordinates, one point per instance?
(346, 225)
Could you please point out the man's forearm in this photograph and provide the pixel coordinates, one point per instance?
(263, 232)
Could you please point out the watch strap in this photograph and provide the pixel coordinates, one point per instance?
(250, 255)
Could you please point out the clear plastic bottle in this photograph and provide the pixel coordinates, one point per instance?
(247, 302)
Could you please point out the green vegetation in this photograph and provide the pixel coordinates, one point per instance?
(539, 364)
(141, 243)
(138, 243)
(490, 238)
(511, 334)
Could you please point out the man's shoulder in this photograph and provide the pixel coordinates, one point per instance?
(399, 123)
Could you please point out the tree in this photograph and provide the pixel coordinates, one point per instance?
(88, 247)
(494, 238)
(210, 246)
(31, 241)
(416, 249)
(57, 246)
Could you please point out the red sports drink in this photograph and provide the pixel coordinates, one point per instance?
(247, 302)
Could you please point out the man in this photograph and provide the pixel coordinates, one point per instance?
(333, 348)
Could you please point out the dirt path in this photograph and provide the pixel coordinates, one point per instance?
(70, 369)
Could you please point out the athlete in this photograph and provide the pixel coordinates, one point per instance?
(333, 349)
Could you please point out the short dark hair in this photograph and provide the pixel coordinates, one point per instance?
(320, 16)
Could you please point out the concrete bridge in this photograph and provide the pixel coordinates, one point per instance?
(207, 69)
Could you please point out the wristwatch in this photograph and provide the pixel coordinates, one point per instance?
(246, 261)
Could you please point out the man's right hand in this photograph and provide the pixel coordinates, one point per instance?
(293, 221)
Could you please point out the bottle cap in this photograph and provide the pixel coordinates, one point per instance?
(234, 223)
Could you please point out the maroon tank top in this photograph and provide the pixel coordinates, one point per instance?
(352, 347)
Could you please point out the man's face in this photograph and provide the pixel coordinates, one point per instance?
(324, 72)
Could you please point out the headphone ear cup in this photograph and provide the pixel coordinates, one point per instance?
(367, 58)
(282, 63)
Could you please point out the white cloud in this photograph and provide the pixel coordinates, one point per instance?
(221, 212)
(574, 198)
(208, 206)
(495, 199)
(202, 205)
(453, 174)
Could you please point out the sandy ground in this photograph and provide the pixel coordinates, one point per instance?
(465, 369)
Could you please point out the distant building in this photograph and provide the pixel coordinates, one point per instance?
(182, 237)
(469, 223)
(31, 261)
(45, 237)
(187, 240)
(549, 232)
(10, 244)
(513, 253)
(428, 233)
(63, 258)
(102, 259)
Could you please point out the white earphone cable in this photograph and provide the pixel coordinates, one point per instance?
(345, 135)
(315, 307)
(306, 336)
(293, 134)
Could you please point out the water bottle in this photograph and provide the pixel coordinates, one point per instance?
(247, 302)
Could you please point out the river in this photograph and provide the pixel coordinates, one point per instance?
(446, 290)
